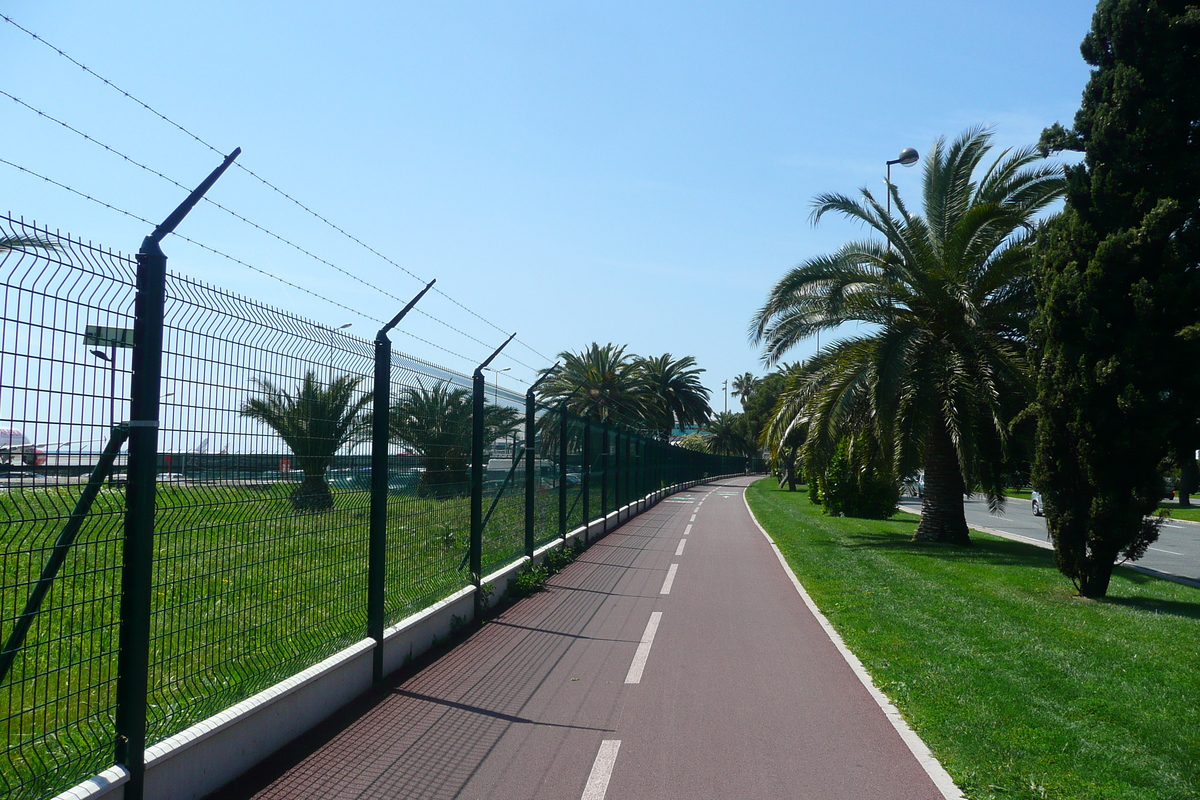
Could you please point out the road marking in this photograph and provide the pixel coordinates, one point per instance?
(602, 767)
(1160, 550)
(693, 519)
(643, 650)
(666, 589)
(679, 550)
(687, 530)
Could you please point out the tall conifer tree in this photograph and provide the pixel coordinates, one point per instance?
(1120, 291)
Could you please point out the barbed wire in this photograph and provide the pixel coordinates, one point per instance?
(234, 259)
(238, 216)
(276, 189)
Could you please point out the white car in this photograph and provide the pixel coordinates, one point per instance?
(1035, 500)
(170, 476)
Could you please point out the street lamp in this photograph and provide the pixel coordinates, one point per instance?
(725, 389)
(330, 331)
(112, 397)
(907, 158)
(496, 383)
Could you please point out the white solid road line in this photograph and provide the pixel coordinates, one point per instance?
(1160, 550)
(666, 589)
(643, 650)
(687, 530)
(606, 758)
(679, 550)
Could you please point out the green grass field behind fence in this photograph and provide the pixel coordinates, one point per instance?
(246, 593)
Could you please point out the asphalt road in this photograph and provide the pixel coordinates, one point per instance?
(1176, 553)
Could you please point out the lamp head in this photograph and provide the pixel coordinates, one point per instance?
(908, 157)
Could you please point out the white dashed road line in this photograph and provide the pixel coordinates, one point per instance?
(666, 587)
(679, 550)
(597, 782)
(687, 530)
(643, 650)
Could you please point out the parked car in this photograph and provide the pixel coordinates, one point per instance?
(1035, 501)
(914, 485)
(170, 476)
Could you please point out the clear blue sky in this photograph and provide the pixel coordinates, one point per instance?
(639, 173)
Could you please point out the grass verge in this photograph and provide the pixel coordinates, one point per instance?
(1021, 689)
(1176, 511)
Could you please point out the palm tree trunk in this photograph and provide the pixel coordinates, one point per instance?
(312, 494)
(942, 516)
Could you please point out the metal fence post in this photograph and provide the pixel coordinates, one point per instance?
(604, 476)
(530, 474)
(377, 536)
(618, 475)
(133, 654)
(562, 471)
(479, 409)
(585, 477)
(377, 544)
(479, 388)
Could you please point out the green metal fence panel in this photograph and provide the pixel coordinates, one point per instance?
(57, 401)
(258, 574)
(429, 515)
(503, 478)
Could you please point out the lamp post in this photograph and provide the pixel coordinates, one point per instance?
(496, 383)
(907, 158)
(725, 389)
(112, 396)
(331, 330)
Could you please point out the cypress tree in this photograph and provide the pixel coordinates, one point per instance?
(1119, 376)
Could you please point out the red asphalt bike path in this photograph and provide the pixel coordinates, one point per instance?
(741, 694)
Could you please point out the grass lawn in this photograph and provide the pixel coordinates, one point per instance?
(1021, 689)
(1191, 512)
(246, 593)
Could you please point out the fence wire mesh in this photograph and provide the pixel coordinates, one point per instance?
(263, 499)
(57, 699)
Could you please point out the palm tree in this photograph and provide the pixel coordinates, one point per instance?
(743, 386)
(315, 422)
(672, 394)
(436, 423)
(727, 435)
(601, 382)
(949, 295)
